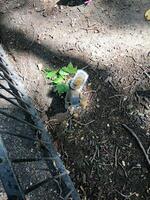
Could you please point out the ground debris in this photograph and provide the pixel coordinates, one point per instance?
(139, 142)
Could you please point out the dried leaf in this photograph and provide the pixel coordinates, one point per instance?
(147, 15)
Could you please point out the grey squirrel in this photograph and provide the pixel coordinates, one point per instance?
(74, 95)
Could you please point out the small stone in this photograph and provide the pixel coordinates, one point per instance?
(97, 99)
(84, 178)
(130, 145)
(68, 172)
(76, 115)
(125, 98)
(136, 194)
(71, 110)
(142, 127)
(138, 165)
(148, 134)
(38, 9)
(82, 138)
(97, 106)
(137, 10)
(123, 163)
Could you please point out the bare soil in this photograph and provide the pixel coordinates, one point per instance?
(111, 40)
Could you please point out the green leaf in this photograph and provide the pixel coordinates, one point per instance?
(58, 80)
(70, 69)
(51, 74)
(63, 73)
(62, 88)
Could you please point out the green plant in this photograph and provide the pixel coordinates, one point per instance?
(60, 77)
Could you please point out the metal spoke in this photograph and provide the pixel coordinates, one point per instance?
(20, 120)
(37, 185)
(3, 69)
(49, 153)
(23, 136)
(68, 195)
(11, 84)
(10, 92)
(30, 159)
(7, 176)
(9, 100)
(3, 63)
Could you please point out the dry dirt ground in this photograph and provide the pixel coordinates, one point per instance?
(111, 39)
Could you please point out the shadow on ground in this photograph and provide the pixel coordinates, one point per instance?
(104, 160)
(118, 12)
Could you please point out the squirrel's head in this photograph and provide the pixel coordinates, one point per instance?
(79, 80)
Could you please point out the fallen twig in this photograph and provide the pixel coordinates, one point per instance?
(90, 91)
(139, 142)
(67, 196)
(51, 120)
(116, 95)
(125, 173)
(93, 158)
(148, 150)
(86, 67)
(125, 196)
(60, 189)
(116, 158)
(146, 74)
(82, 124)
(84, 193)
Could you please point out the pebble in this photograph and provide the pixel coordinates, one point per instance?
(97, 99)
(40, 66)
(130, 145)
(68, 172)
(82, 138)
(123, 163)
(76, 115)
(97, 106)
(136, 194)
(138, 165)
(148, 134)
(148, 190)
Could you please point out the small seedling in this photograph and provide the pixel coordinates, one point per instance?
(59, 78)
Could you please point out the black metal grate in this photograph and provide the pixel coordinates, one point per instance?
(17, 107)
